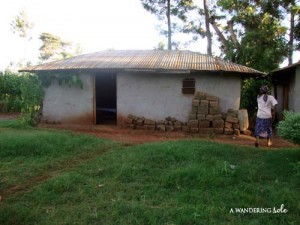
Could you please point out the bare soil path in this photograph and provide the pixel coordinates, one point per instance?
(132, 137)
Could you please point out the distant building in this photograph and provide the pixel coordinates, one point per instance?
(286, 83)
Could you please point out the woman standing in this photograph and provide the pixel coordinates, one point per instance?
(263, 126)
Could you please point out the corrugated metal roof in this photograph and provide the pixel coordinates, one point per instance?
(174, 61)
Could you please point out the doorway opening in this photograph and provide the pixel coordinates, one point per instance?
(106, 98)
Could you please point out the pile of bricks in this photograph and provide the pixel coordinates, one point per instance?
(205, 117)
(169, 124)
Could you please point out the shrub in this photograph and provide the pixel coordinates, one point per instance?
(289, 128)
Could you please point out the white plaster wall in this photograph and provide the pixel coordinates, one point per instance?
(69, 104)
(156, 96)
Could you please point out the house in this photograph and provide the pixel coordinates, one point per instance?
(150, 83)
(286, 82)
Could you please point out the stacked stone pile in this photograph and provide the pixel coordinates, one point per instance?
(169, 124)
(205, 117)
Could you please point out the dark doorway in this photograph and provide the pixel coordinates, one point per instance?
(106, 98)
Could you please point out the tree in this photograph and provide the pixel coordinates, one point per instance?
(253, 35)
(55, 48)
(208, 33)
(292, 10)
(165, 10)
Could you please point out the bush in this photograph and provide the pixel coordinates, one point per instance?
(289, 128)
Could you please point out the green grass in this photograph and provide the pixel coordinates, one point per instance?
(178, 182)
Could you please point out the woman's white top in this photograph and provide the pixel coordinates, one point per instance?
(264, 108)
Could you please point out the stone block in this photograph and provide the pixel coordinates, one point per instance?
(230, 111)
(192, 116)
(204, 124)
(206, 130)
(236, 132)
(228, 125)
(204, 103)
(218, 124)
(161, 127)
(232, 114)
(185, 128)
(209, 117)
(203, 110)
(193, 123)
(160, 122)
(228, 131)
(212, 98)
(232, 119)
(235, 126)
(195, 102)
(219, 130)
(201, 117)
(213, 103)
(149, 127)
(194, 109)
(200, 95)
(178, 124)
(194, 129)
(214, 110)
(178, 128)
(218, 117)
(130, 116)
(128, 121)
(139, 122)
(169, 128)
(149, 122)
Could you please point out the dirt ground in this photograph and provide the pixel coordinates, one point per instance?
(132, 137)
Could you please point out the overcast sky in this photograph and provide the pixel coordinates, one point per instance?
(95, 24)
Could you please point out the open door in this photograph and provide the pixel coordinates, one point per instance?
(106, 98)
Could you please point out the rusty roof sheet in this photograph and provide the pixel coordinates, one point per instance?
(174, 61)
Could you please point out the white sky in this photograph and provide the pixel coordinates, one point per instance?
(95, 24)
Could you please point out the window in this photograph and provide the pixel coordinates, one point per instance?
(188, 86)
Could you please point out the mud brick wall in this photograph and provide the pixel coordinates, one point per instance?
(205, 117)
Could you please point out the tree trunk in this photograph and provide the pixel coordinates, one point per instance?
(208, 34)
(169, 25)
(219, 33)
(291, 35)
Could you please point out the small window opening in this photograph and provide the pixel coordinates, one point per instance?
(188, 86)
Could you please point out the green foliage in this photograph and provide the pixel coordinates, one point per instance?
(250, 90)
(21, 93)
(10, 92)
(32, 99)
(256, 37)
(63, 79)
(289, 128)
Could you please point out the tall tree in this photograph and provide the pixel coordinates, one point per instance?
(253, 35)
(55, 48)
(165, 10)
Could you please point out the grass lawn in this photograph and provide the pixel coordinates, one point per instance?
(54, 177)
